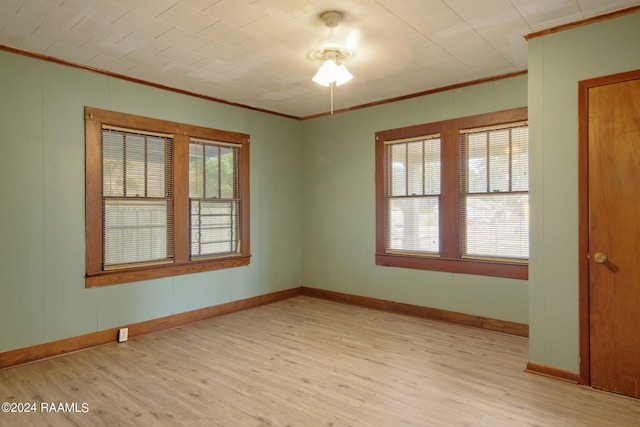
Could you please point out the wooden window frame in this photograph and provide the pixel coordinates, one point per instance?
(450, 259)
(96, 275)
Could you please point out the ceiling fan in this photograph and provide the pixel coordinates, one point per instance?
(332, 52)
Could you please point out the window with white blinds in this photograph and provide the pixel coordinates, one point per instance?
(215, 202)
(454, 195)
(137, 197)
(162, 198)
(495, 198)
(412, 177)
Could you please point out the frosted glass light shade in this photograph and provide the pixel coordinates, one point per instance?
(330, 72)
(342, 75)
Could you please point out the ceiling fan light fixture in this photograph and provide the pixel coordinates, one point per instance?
(342, 75)
(330, 72)
(331, 52)
(326, 73)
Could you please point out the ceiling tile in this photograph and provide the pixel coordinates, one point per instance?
(225, 33)
(69, 53)
(271, 28)
(110, 63)
(180, 56)
(303, 43)
(49, 12)
(217, 71)
(105, 10)
(255, 46)
(142, 24)
(152, 46)
(23, 23)
(187, 18)
(219, 51)
(12, 6)
(432, 14)
(487, 64)
(236, 12)
(182, 38)
(200, 4)
(591, 8)
(61, 34)
(144, 59)
(284, 10)
(148, 7)
(548, 13)
(491, 18)
(107, 40)
(25, 41)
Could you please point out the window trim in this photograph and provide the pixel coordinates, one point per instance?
(96, 275)
(450, 259)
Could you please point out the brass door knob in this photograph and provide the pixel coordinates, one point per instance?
(600, 258)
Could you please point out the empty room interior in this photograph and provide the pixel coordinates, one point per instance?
(320, 212)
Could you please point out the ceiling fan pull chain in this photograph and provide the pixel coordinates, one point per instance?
(331, 86)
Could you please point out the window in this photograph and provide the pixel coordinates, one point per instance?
(495, 184)
(137, 198)
(214, 196)
(453, 195)
(413, 195)
(162, 198)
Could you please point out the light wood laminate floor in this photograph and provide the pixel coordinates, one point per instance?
(308, 362)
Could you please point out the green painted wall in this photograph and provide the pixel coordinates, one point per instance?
(339, 206)
(42, 293)
(557, 62)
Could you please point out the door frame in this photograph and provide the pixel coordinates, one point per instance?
(583, 213)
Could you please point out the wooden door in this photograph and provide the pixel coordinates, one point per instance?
(614, 236)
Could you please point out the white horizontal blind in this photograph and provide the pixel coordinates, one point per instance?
(495, 192)
(214, 193)
(412, 176)
(137, 198)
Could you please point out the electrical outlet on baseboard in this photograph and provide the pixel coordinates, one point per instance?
(123, 334)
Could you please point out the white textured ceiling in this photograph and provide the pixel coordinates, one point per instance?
(254, 52)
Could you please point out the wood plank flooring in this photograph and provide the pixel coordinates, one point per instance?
(308, 362)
